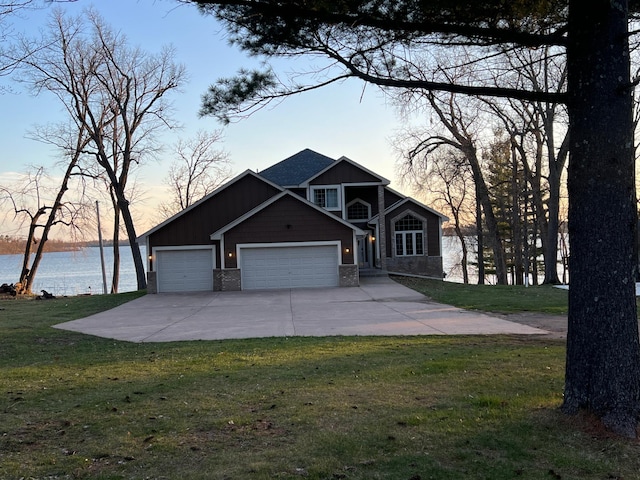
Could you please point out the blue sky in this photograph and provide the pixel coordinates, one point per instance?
(335, 121)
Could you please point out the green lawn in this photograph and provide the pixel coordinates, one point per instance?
(406, 408)
(492, 298)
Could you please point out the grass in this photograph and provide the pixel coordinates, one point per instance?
(492, 298)
(405, 408)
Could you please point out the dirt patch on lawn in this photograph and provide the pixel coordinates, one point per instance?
(556, 325)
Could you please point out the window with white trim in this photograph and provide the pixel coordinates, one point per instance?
(409, 236)
(358, 210)
(326, 197)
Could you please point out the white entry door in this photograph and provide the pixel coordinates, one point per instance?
(188, 270)
(289, 267)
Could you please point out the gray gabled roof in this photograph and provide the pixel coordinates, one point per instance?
(296, 169)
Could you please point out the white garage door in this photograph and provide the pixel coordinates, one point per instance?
(184, 270)
(289, 267)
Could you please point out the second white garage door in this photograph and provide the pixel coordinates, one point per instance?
(289, 267)
(188, 270)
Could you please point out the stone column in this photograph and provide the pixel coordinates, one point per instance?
(382, 229)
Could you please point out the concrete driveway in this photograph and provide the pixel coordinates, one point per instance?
(379, 306)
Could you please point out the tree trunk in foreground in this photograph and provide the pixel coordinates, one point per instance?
(603, 352)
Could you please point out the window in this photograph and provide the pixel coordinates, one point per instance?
(358, 210)
(409, 236)
(326, 198)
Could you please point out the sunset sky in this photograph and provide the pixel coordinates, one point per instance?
(335, 121)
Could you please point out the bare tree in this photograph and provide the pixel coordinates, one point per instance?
(115, 92)
(35, 203)
(9, 8)
(539, 134)
(461, 133)
(531, 125)
(200, 168)
(447, 180)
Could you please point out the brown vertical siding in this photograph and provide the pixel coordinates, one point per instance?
(433, 237)
(301, 192)
(195, 226)
(390, 198)
(368, 194)
(288, 220)
(344, 172)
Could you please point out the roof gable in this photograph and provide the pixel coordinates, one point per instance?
(234, 182)
(345, 170)
(409, 200)
(296, 169)
(218, 234)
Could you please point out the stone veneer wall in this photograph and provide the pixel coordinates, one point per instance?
(152, 282)
(227, 280)
(230, 280)
(348, 276)
(427, 266)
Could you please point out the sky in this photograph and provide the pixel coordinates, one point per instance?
(337, 120)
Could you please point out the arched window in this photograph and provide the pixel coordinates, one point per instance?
(358, 210)
(409, 236)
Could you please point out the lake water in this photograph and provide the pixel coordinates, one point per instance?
(452, 259)
(74, 273)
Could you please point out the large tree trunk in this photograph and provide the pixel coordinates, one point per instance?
(26, 279)
(603, 351)
(133, 243)
(123, 206)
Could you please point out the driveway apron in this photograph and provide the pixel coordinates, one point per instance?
(379, 306)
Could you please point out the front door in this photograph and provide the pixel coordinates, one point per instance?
(363, 252)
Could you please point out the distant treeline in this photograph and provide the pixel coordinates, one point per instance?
(13, 245)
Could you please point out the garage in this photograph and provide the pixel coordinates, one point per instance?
(289, 266)
(184, 270)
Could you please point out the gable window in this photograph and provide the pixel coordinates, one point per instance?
(326, 197)
(358, 210)
(409, 237)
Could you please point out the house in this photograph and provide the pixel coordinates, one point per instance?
(307, 221)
